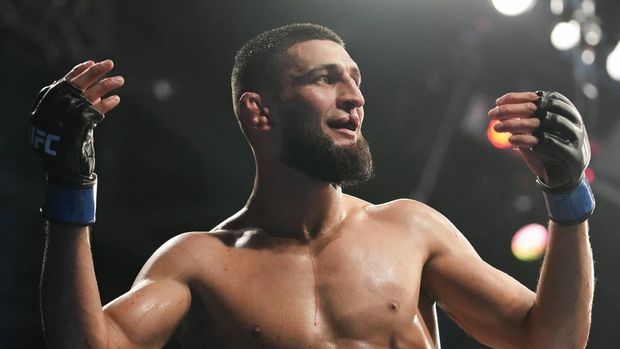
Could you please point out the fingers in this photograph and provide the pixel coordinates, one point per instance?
(107, 104)
(103, 87)
(525, 141)
(87, 77)
(518, 126)
(78, 69)
(515, 112)
(517, 97)
(510, 111)
(92, 74)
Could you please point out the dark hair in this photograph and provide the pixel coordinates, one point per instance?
(258, 63)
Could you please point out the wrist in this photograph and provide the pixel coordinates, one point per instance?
(569, 207)
(70, 205)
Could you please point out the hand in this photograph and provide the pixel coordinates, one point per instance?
(62, 121)
(549, 132)
(64, 116)
(87, 77)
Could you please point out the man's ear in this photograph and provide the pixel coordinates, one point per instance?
(253, 112)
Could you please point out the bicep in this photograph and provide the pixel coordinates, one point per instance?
(147, 315)
(487, 303)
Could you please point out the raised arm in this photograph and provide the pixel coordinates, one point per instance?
(490, 305)
(144, 317)
(61, 126)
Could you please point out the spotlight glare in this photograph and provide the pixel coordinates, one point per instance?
(498, 139)
(513, 7)
(566, 35)
(557, 7)
(589, 90)
(529, 243)
(592, 34)
(613, 63)
(590, 174)
(588, 56)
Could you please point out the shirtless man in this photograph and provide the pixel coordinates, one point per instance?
(303, 265)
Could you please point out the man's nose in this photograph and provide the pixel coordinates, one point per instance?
(350, 96)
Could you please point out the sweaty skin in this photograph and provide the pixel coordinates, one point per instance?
(303, 265)
(355, 286)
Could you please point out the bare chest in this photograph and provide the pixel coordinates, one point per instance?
(342, 294)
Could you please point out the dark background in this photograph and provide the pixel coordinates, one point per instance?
(171, 158)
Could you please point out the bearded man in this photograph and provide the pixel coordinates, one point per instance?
(302, 265)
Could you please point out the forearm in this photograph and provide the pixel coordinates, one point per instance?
(71, 307)
(560, 317)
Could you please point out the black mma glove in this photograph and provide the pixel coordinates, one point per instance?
(564, 150)
(61, 132)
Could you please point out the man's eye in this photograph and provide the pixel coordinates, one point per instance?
(324, 79)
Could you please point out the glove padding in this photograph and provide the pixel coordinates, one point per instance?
(563, 143)
(61, 132)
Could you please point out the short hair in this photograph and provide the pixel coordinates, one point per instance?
(259, 62)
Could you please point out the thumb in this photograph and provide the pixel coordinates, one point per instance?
(534, 163)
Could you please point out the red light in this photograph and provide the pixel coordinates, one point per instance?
(590, 175)
(498, 139)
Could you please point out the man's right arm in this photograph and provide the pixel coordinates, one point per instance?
(144, 317)
(61, 133)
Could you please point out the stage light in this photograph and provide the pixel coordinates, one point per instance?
(613, 63)
(566, 35)
(513, 7)
(589, 90)
(592, 34)
(588, 56)
(590, 175)
(557, 7)
(498, 139)
(162, 89)
(529, 243)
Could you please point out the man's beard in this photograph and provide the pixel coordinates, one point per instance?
(309, 151)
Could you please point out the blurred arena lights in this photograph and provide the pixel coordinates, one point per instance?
(513, 7)
(162, 89)
(566, 35)
(498, 139)
(589, 90)
(588, 56)
(590, 175)
(529, 242)
(613, 63)
(557, 7)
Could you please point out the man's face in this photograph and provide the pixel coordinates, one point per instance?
(321, 112)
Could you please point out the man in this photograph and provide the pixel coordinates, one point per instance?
(303, 265)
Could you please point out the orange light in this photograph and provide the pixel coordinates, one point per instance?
(498, 139)
(590, 174)
(529, 243)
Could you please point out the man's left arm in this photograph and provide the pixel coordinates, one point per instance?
(560, 316)
(492, 306)
(551, 136)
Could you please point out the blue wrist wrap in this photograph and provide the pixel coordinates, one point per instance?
(570, 207)
(70, 205)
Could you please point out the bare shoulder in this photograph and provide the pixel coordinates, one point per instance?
(183, 255)
(414, 217)
(411, 213)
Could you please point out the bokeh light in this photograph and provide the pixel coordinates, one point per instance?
(566, 35)
(513, 7)
(590, 175)
(498, 139)
(613, 63)
(529, 243)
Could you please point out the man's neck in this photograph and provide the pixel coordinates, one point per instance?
(285, 203)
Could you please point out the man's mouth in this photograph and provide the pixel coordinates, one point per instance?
(344, 124)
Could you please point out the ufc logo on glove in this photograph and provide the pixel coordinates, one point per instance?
(41, 138)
